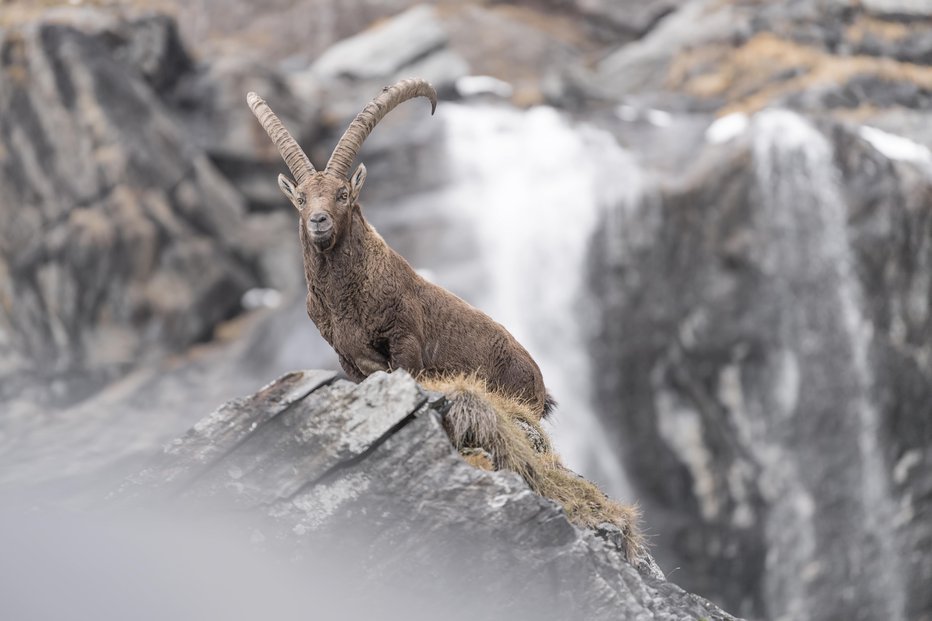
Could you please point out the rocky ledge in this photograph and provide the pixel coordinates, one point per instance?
(360, 483)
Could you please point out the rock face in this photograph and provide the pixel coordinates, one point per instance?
(766, 341)
(364, 476)
(119, 237)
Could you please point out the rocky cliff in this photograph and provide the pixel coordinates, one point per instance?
(121, 240)
(766, 340)
(360, 483)
(765, 308)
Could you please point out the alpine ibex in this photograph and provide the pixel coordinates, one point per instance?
(366, 300)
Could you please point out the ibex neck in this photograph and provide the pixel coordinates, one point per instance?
(333, 273)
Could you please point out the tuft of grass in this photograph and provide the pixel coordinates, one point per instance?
(491, 429)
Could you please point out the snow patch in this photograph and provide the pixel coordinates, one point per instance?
(896, 147)
(682, 428)
(658, 118)
(472, 85)
(907, 462)
(261, 298)
(727, 128)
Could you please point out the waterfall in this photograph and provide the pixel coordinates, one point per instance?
(524, 193)
(810, 262)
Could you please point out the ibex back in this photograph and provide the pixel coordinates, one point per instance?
(366, 300)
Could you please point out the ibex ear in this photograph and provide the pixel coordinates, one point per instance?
(289, 188)
(358, 178)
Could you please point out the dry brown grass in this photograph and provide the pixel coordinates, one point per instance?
(510, 434)
(767, 67)
(865, 26)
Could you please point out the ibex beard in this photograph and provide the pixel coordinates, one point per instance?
(366, 300)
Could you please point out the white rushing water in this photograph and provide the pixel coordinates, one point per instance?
(526, 190)
(806, 218)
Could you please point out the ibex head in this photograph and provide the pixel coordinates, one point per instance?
(326, 200)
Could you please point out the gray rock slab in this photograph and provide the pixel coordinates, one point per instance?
(386, 48)
(222, 431)
(333, 425)
(642, 66)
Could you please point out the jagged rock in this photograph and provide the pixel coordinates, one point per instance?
(631, 18)
(765, 325)
(527, 49)
(152, 45)
(736, 400)
(644, 64)
(413, 43)
(735, 56)
(362, 481)
(290, 31)
(119, 237)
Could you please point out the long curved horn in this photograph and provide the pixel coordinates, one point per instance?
(298, 162)
(346, 150)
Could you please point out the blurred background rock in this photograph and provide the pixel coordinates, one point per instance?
(710, 221)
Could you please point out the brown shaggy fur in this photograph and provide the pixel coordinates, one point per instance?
(509, 430)
(373, 309)
(380, 315)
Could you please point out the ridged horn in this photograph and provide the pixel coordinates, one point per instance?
(345, 151)
(298, 162)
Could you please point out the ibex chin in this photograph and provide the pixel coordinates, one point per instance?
(366, 300)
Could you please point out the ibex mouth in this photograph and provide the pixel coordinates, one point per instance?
(320, 226)
(322, 237)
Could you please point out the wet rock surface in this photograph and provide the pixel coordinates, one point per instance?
(364, 474)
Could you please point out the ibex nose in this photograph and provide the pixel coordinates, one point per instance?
(319, 223)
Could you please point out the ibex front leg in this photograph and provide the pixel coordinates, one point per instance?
(406, 353)
(352, 371)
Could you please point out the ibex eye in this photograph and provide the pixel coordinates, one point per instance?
(342, 194)
(300, 200)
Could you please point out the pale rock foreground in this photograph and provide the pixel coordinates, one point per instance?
(359, 483)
